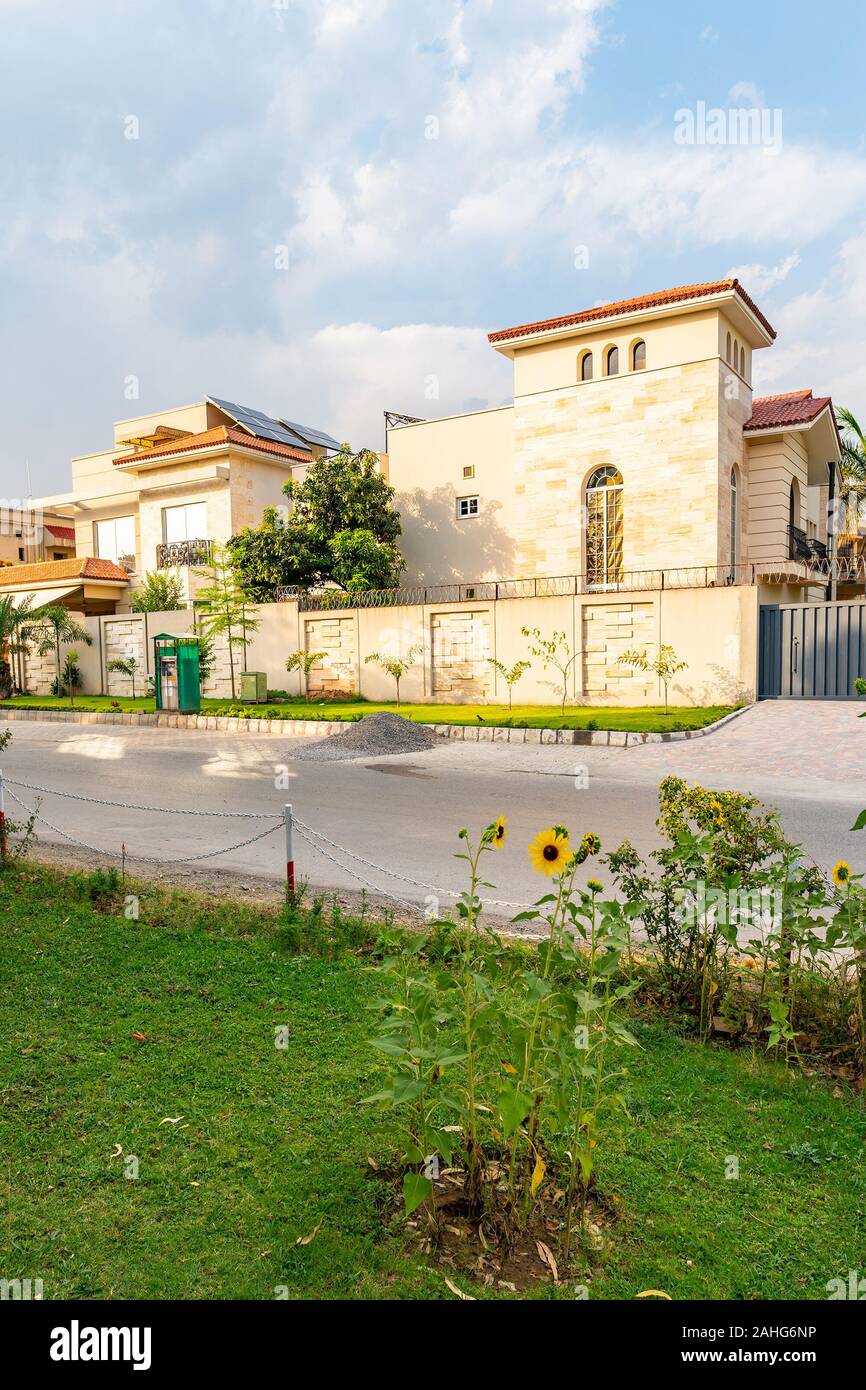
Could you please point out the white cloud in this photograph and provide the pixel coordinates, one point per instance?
(761, 279)
(746, 92)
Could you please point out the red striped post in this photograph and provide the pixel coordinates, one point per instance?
(3, 848)
(290, 849)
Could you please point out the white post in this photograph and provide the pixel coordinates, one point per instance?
(3, 850)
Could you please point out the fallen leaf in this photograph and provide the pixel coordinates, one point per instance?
(305, 1240)
(654, 1293)
(117, 1151)
(373, 1164)
(466, 1297)
(169, 1121)
(139, 1037)
(547, 1256)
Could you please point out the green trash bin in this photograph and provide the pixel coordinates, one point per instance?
(254, 687)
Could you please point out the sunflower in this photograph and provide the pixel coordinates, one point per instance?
(592, 842)
(500, 832)
(549, 852)
(841, 873)
(594, 886)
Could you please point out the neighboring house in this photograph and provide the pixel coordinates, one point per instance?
(633, 456)
(29, 534)
(179, 480)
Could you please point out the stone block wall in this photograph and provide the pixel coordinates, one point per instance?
(337, 671)
(609, 630)
(460, 648)
(124, 638)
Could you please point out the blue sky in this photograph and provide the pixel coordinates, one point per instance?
(283, 230)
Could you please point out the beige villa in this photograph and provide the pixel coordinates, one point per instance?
(171, 485)
(633, 448)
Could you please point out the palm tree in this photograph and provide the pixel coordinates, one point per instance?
(12, 619)
(56, 625)
(853, 446)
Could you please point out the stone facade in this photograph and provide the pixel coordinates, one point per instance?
(610, 630)
(459, 658)
(124, 638)
(337, 670)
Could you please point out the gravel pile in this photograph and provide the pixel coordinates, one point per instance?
(374, 736)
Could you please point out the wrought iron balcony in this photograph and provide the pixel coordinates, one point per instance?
(798, 545)
(175, 554)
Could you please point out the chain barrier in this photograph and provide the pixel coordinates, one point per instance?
(133, 806)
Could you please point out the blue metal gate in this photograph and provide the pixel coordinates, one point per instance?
(811, 651)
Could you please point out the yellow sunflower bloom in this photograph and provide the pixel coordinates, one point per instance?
(841, 873)
(500, 831)
(549, 852)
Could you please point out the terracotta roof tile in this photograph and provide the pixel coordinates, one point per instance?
(218, 437)
(63, 533)
(624, 306)
(787, 408)
(56, 571)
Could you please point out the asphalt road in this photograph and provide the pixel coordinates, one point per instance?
(405, 812)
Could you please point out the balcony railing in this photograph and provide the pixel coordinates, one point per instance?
(175, 554)
(806, 548)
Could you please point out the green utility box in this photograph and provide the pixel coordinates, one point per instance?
(176, 679)
(254, 688)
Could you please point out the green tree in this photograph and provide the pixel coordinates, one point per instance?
(342, 529)
(224, 607)
(510, 674)
(206, 656)
(55, 625)
(395, 666)
(126, 666)
(665, 666)
(69, 679)
(14, 625)
(304, 661)
(853, 446)
(161, 592)
(552, 651)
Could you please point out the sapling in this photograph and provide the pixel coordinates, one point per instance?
(552, 651)
(395, 666)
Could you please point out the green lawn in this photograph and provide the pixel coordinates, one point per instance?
(648, 719)
(268, 1145)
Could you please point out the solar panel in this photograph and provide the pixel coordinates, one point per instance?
(327, 441)
(266, 427)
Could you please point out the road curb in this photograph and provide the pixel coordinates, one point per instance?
(313, 728)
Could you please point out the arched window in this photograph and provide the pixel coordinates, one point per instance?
(735, 519)
(585, 367)
(728, 348)
(743, 363)
(638, 357)
(611, 361)
(604, 529)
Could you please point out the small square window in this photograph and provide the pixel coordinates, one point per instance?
(469, 470)
(467, 506)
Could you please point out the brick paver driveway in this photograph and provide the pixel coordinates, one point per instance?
(801, 740)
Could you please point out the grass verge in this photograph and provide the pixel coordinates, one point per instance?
(651, 719)
(158, 1036)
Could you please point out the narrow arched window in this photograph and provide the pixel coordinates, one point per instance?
(611, 361)
(743, 363)
(735, 518)
(638, 357)
(728, 348)
(585, 372)
(604, 528)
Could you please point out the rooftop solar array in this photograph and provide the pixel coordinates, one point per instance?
(266, 427)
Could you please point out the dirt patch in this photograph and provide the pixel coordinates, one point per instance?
(497, 1251)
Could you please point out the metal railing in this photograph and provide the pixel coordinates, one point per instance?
(174, 554)
(814, 568)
